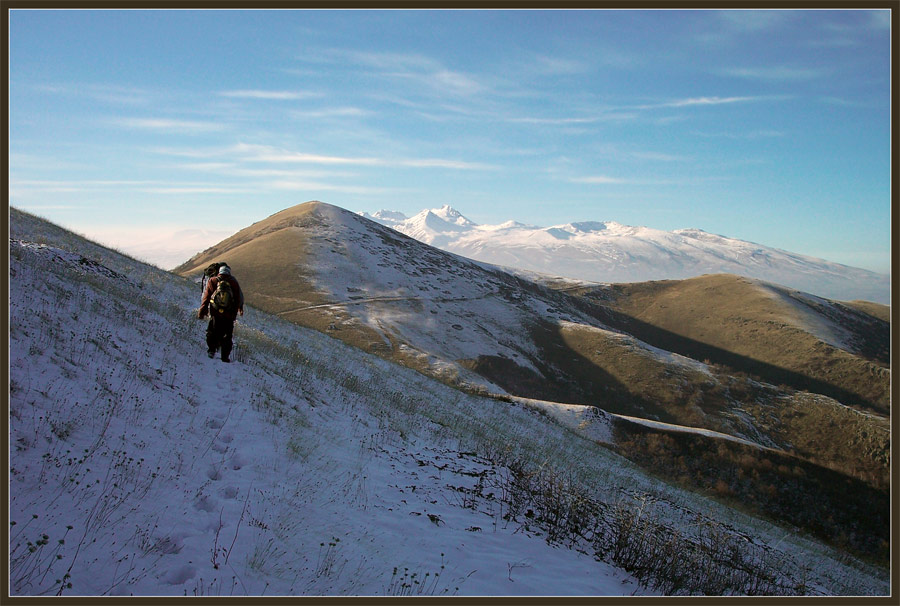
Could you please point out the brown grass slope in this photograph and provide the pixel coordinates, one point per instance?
(617, 373)
(279, 263)
(876, 310)
(754, 328)
(285, 265)
(841, 509)
(272, 261)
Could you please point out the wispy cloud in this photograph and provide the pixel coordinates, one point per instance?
(777, 72)
(145, 186)
(731, 27)
(598, 180)
(851, 33)
(385, 61)
(572, 121)
(234, 160)
(444, 82)
(291, 173)
(298, 185)
(441, 163)
(175, 190)
(169, 125)
(659, 157)
(332, 112)
(113, 94)
(692, 101)
(425, 73)
(207, 167)
(234, 169)
(753, 20)
(281, 157)
(275, 95)
(276, 156)
(744, 135)
(546, 65)
(632, 112)
(79, 184)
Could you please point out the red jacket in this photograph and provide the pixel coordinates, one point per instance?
(235, 288)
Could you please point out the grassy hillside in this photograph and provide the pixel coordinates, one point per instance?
(827, 504)
(273, 261)
(445, 316)
(744, 325)
(876, 310)
(621, 374)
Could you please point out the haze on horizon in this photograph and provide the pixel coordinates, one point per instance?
(141, 128)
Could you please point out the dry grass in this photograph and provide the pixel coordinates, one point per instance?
(605, 370)
(734, 321)
(676, 390)
(876, 310)
(822, 431)
(269, 259)
(829, 505)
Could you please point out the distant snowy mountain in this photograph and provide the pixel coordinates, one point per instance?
(611, 252)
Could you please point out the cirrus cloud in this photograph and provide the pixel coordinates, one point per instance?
(276, 95)
(169, 125)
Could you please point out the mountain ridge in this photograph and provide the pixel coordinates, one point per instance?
(611, 252)
(479, 328)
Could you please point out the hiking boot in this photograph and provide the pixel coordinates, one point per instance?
(211, 353)
(226, 359)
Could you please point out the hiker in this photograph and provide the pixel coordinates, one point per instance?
(223, 301)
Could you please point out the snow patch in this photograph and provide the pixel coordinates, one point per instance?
(588, 421)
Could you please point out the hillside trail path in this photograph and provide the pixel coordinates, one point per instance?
(364, 300)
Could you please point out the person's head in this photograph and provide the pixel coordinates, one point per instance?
(224, 271)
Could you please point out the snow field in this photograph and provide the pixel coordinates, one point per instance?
(182, 475)
(304, 468)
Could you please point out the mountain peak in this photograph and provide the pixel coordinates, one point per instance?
(451, 215)
(387, 216)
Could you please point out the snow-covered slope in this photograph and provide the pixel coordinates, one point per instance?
(465, 322)
(474, 326)
(307, 467)
(612, 252)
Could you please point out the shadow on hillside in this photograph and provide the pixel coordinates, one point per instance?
(594, 386)
(835, 507)
(842, 510)
(566, 376)
(770, 373)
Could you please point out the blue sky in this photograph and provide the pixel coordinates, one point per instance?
(769, 126)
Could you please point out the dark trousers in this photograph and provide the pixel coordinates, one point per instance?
(218, 334)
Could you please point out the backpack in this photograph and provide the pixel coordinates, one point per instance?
(222, 300)
(211, 270)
